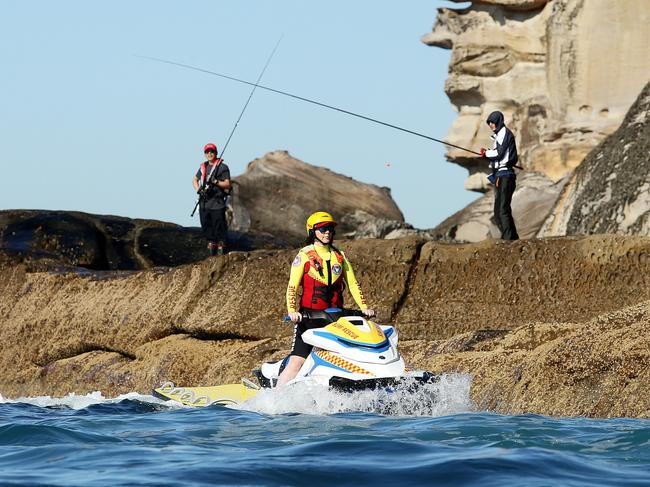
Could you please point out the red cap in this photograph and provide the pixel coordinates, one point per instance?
(210, 147)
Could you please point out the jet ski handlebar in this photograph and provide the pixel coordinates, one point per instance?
(326, 316)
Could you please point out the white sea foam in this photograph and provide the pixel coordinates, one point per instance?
(449, 395)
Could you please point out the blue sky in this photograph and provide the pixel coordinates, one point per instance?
(86, 125)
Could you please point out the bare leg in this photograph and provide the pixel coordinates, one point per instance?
(291, 370)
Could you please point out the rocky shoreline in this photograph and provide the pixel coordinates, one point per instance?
(550, 326)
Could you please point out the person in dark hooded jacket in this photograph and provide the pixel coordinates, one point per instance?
(503, 158)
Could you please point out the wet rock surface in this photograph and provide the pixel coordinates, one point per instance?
(62, 239)
(552, 326)
(610, 191)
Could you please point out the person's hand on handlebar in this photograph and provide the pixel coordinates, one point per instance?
(295, 316)
(368, 312)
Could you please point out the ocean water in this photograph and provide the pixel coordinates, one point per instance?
(312, 438)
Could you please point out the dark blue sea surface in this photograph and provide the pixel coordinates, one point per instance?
(139, 440)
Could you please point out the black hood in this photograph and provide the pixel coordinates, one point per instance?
(497, 119)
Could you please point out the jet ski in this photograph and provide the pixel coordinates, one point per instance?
(350, 354)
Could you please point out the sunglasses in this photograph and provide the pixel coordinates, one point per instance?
(325, 228)
(210, 151)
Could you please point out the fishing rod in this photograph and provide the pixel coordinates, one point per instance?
(259, 78)
(324, 105)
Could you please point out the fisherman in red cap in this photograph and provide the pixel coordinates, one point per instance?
(212, 182)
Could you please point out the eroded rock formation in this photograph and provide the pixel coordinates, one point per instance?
(540, 334)
(277, 193)
(563, 71)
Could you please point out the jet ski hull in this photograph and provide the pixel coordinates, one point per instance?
(223, 395)
(407, 383)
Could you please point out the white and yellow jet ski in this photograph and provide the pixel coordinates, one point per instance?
(351, 353)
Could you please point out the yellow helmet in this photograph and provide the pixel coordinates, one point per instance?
(318, 218)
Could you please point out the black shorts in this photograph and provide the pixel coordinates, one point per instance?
(298, 346)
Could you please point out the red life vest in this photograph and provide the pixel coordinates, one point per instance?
(318, 295)
(204, 170)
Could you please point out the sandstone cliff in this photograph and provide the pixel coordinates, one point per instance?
(541, 333)
(607, 193)
(563, 71)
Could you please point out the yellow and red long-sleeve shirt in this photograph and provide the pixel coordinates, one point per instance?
(322, 273)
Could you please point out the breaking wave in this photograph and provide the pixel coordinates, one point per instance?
(449, 395)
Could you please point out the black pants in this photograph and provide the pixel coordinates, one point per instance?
(298, 346)
(213, 223)
(505, 187)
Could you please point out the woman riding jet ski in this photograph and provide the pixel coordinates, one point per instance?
(321, 270)
(349, 353)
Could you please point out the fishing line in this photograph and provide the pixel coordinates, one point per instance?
(257, 84)
(291, 95)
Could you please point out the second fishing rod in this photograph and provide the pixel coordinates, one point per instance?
(205, 189)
